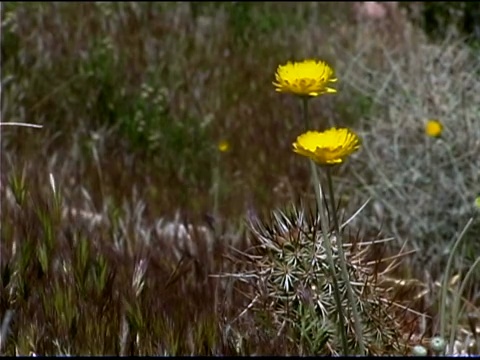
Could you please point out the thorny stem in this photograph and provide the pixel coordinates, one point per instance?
(328, 246)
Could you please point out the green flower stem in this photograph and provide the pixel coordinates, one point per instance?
(343, 264)
(446, 275)
(305, 115)
(428, 147)
(216, 192)
(328, 246)
(456, 304)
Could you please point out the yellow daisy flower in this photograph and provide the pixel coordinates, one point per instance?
(328, 147)
(306, 78)
(433, 128)
(223, 146)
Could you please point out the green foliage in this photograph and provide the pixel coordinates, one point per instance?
(439, 18)
(102, 72)
(251, 21)
(18, 188)
(181, 145)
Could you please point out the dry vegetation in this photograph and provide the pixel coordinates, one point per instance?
(112, 241)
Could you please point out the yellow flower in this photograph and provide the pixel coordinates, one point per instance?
(433, 128)
(328, 147)
(306, 78)
(477, 202)
(224, 146)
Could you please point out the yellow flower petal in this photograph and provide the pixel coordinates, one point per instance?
(224, 146)
(329, 147)
(477, 202)
(433, 128)
(305, 78)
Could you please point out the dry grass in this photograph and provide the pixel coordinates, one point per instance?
(108, 238)
(424, 188)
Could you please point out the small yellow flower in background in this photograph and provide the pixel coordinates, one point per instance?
(328, 147)
(224, 146)
(433, 128)
(477, 202)
(305, 78)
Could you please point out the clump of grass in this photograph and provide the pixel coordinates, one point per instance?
(450, 311)
(78, 284)
(424, 188)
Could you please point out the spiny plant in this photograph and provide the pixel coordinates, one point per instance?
(292, 287)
